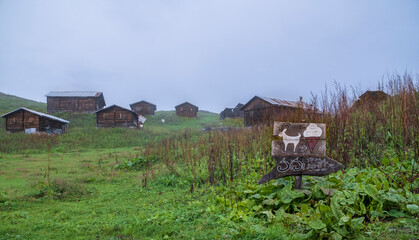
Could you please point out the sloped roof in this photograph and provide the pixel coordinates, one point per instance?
(112, 106)
(239, 106)
(143, 102)
(74, 94)
(280, 102)
(374, 94)
(186, 103)
(37, 113)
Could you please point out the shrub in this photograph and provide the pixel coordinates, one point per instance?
(60, 189)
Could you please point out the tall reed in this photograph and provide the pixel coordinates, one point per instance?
(359, 133)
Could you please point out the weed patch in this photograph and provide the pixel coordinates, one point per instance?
(60, 189)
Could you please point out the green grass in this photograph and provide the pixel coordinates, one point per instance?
(10, 102)
(99, 201)
(121, 210)
(115, 206)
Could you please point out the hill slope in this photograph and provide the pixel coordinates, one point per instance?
(10, 102)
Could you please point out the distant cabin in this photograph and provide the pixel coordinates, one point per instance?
(143, 108)
(266, 110)
(116, 116)
(370, 99)
(235, 112)
(75, 101)
(186, 110)
(30, 121)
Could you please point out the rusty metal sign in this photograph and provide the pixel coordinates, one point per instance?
(300, 151)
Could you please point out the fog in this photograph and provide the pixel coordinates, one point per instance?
(213, 54)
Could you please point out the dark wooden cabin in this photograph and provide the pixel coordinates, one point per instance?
(116, 116)
(235, 112)
(75, 101)
(186, 110)
(369, 100)
(30, 121)
(265, 110)
(143, 108)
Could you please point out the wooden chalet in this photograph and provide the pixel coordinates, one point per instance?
(116, 116)
(369, 100)
(235, 112)
(30, 121)
(75, 101)
(143, 108)
(266, 110)
(186, 110)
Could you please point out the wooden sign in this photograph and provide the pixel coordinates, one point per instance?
(306, 165)
(301, 151)
(299, 139)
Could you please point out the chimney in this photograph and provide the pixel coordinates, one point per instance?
(301, 99)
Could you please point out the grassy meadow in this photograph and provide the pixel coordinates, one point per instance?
(176, 181)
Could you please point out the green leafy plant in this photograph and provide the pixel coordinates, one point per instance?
(337, 206)
(138, 163)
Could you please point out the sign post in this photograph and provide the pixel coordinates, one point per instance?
(301, 151)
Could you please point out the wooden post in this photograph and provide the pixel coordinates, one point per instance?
(298, 182)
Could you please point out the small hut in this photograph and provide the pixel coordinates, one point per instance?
(186, 110)
(143, 108)
(266, 110)
(116, 116)
(235, 112)
(369, 100)
(75, 101)
(30, 121)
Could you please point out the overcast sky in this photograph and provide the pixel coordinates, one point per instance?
(213, 54)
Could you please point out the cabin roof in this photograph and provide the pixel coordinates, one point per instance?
(74, 94)
(112, 106)
(375, 94)
(279, 102)
(239, 106)
(37, 113)
(186, 103)
(142, 101)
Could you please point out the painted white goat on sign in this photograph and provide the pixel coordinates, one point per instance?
(289, 139)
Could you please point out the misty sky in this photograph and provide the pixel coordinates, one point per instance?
(213, 54)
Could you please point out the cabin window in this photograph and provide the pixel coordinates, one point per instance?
(122, 116)
(139, 108)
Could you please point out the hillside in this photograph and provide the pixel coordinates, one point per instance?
(83, 134)
(171, 180)
(10, 102)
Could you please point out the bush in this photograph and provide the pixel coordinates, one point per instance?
(60, 189)
(138, 163)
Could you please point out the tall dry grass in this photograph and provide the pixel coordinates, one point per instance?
(358, 134)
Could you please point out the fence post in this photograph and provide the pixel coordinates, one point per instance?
(298, 182)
